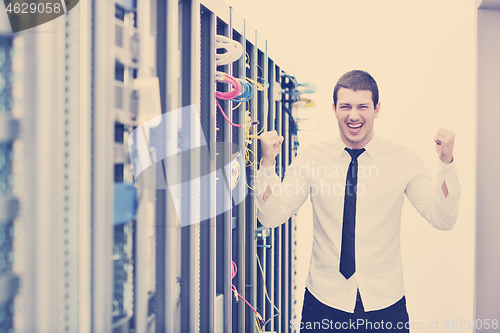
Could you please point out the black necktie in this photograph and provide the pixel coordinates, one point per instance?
(347, 263)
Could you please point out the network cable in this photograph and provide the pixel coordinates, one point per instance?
(246, 92)
(243, 90)
(291, 83)
(305, 103)
(234, 50)
(290, 96)
(266, 84)
(306, 88)
(223, 77)
(233, 124)
(234, 271)
(267, 295)
(259, 85)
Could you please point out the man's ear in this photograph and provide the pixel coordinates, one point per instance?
(377, 109)
(334, 109)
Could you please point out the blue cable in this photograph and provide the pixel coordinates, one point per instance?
(291, 83)
(308, 87)
(293, 95)
(246, 92)
(265, 82)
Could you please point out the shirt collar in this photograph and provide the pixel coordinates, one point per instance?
(370, 147)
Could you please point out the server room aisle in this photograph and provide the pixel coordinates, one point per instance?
(128, 146)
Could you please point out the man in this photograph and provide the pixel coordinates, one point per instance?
(357, 185)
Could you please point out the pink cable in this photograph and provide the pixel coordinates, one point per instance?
(232, 94)
(225, 117)
(234, 270)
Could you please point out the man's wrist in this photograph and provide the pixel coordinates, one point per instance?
(447, 161)
(266, 163)
(446, 167)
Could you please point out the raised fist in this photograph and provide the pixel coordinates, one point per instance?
(271, 147)
(445, 141)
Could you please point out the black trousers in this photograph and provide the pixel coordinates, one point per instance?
(320, 318)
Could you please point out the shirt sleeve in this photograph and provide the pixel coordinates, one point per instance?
(286, 197)
(428, 198)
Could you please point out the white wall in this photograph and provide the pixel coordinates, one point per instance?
(422, 55)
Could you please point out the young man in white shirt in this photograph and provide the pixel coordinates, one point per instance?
(357, 184)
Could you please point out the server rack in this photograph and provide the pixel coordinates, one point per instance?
(248, 241)
(76, 113)
(11, 51)
(102, 250)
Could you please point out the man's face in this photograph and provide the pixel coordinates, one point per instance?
(355, 113)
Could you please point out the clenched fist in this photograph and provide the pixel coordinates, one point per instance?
(271, 147)
(444, 145)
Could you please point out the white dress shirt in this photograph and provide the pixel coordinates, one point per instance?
(386, 172)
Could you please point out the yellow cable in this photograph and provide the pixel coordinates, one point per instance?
(260, 130)
(257, 325)
(259, 85)
(251, 163)
(237, 106)
(250, 157)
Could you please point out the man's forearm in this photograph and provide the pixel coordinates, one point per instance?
(444, 188)
(266, 163)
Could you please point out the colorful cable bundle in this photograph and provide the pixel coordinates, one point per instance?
(246, 92)
(242, 90)
(234, 94)
(223, 77)
(306, 88)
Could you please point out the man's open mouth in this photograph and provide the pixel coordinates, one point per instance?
(354, 128)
